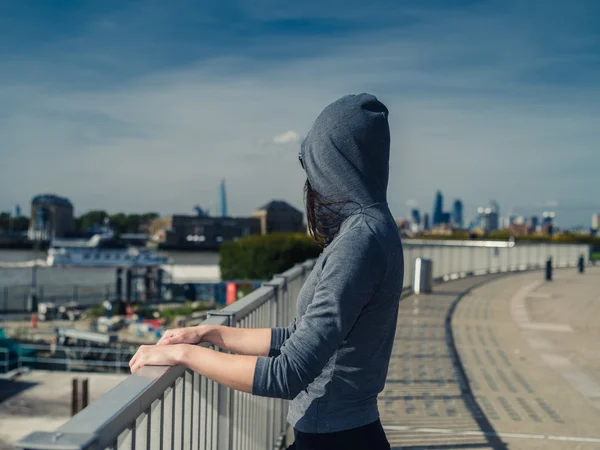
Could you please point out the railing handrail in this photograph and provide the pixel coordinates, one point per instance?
(457, 243)
(479, 243)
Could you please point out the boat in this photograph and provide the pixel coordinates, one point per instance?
(101, 250)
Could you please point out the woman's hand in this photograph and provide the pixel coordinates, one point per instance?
(153, 355)
(189, 335)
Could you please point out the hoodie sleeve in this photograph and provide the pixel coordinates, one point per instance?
(279, 336)
(350, 277)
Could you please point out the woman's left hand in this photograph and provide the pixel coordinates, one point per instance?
(156, 355)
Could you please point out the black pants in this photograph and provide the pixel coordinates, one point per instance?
(367, 437)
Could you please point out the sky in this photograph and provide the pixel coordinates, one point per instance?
(146, 105)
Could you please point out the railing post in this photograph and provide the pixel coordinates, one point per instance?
(225, 403)
(74, 396)
(549, 269)
(279, 287)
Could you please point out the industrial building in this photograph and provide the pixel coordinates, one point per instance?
(202, 232)
(51, 217)
(278, 216)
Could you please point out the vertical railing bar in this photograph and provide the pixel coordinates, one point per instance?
(133, 430)
(205, 410)
(217, 390)
(162, 421)
(246, 420)
(183, 386)
(148, 427)
(173, 411)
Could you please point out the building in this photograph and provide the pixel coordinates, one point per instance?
(457, 214)
(426, 222)
(223, 199)
(51, 217)
(487, 219)
(534, 223)
(548, 222)
(416, 216)
(446, 218)
(504, 223)
(438, 209)
(200, 232)
(596, 222)
(278, 216)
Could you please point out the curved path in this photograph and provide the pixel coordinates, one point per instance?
(498, 362)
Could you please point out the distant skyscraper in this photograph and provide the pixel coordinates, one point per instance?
(535, 221)
(457, 214)
(223, 195)
(438, 208)
(426, 221)
(446, 217)
(416, 216)
(488, 218)
(17, 211)
(548, 221)
(492, 221)
(596, 222)
(493, 216)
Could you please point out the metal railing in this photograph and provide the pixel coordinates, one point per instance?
(65, 358)
(455, 259)
(161, 407)
(15, 299)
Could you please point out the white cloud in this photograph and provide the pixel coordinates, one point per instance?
(288, 137)
(412, 203)
(549, 204)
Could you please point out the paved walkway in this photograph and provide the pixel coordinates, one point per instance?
(41, 401)
(498, 362)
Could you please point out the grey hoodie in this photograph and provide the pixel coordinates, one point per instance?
(332, 360)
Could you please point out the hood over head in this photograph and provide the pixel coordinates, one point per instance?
(346, 153)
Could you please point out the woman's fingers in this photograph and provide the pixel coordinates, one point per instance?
(167, 338)
(178, 336)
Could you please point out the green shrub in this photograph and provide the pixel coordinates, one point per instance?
(261, 257)
(187, 309)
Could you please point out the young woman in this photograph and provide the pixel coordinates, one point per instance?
(332, 361)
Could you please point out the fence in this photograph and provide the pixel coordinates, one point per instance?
(15, 299)
(65, 358)
(455, 259)
(161, 407)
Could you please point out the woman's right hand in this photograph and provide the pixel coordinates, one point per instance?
(189, 335)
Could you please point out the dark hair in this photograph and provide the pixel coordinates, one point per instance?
(324, 217)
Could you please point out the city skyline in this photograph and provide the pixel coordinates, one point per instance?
(125, 106)
(221, 201)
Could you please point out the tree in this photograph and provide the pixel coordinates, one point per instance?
(92, 219)
(260, 257)
(16, 224)
(120, 222)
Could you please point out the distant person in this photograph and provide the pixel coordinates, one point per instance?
(332, 361)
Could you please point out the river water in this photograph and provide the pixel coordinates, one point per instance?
(81, 276)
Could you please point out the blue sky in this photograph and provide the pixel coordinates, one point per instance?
(146, 105)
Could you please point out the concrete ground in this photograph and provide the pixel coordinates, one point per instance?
(498, 362)
(41, 401)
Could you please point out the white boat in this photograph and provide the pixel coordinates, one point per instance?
(102, 250)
